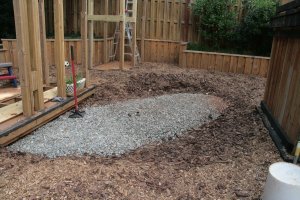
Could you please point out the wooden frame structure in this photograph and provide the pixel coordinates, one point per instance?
(34, 108)
(121, 18)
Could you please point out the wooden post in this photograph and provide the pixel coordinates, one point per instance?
(91, 34)
(84, 40)
(59, 47)
(144, 19)
(122, 34)
(45, 65)
(186, 21)
(134, 14)
(105, 26)
(21, 21)
(182, 57)
(35, 54)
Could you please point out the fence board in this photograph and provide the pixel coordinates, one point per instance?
(241, 64)
(282, 95)
(164, 19)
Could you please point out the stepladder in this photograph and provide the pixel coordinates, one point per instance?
(130, 50)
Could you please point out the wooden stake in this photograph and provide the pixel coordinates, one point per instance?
(45, 65)
(59, 47)
(91, 34)
(84, 51)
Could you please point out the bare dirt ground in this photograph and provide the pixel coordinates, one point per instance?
(225, 159)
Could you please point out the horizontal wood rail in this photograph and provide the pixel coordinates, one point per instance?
(224, 62)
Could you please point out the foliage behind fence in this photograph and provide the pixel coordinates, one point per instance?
(164, 19)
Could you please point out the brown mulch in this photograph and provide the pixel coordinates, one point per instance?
(225, 159)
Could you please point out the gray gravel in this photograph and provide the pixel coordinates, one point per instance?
(117, 128)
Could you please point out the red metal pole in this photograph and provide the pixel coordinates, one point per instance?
(74, 79)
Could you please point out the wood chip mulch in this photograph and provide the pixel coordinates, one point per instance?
(225, 159)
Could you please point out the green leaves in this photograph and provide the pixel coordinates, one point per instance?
(255, 28)
(217, 20)
(69, 81)
(220, 27)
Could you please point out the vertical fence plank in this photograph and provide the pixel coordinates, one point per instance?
(256, 66)
(241, 65)
(233, 64)
(226, 63)
(219, 63)
(248, 65)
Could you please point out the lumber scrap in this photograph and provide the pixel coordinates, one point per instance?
(15, 109)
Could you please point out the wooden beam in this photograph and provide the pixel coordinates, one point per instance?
(35, 54)
(45, 65)
(144, 18)
(84, 39)
(59, 47)
(105, 32)
(21, 21)
(91, 34)
(110, 18)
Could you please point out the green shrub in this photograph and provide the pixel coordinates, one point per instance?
(69, 80)
(217, 21)
(221, 31)
(255, 29)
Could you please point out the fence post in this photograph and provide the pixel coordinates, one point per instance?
(182, 56)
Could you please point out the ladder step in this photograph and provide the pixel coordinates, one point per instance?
(130, 54)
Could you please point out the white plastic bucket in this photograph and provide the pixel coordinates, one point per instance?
(283, 182)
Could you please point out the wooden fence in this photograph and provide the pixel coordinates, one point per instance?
(282, 95)
(223, 62)
(155, 51)
(162, 19)
(161, 51)
(3, 55)
(11, 53)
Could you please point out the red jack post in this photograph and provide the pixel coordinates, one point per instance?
(76, 113)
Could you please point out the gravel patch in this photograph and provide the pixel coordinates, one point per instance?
(117, 128)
